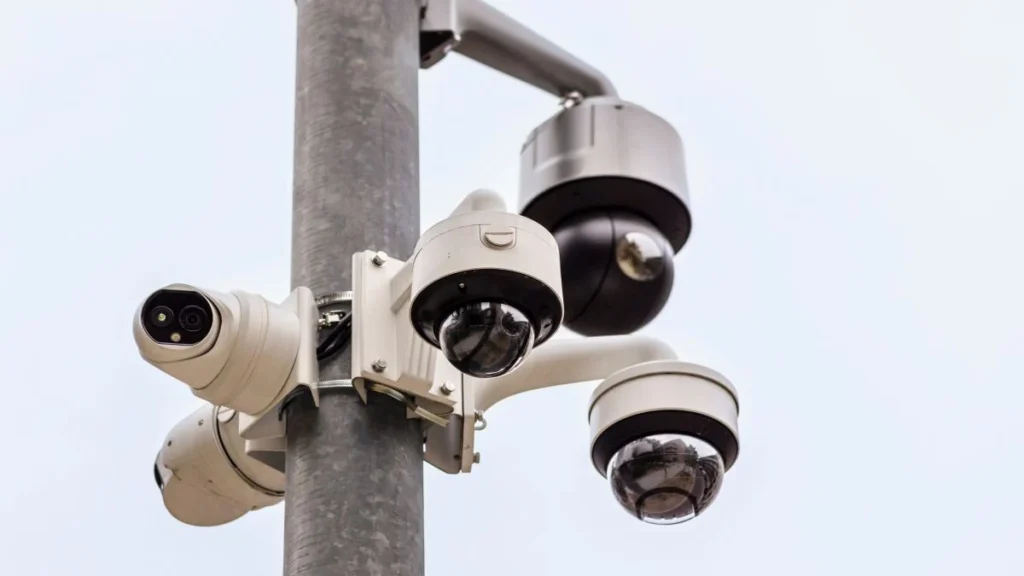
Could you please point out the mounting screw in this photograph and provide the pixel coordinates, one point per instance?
(447, 388)
(476, 458)
(379, 259)
(379, 365)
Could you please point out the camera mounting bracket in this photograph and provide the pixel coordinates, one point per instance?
(387, 352)
(385, 347)
(480, 32)
(570, 361)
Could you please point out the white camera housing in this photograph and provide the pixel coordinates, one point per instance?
(663, 397)
(480, 254)
(664, 433)
(204, 475)
(485, 256)
(247, 354)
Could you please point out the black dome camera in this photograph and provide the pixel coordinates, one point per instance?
(608, 179)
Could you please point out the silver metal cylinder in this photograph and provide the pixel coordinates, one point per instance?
(606, 153)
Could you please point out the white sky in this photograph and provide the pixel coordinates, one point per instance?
(855, 269)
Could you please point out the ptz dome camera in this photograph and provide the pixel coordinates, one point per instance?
(608, 179)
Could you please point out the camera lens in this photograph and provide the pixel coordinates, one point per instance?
(161, 316)
(193, 318)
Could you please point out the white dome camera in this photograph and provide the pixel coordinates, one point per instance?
(664, 433)
(608, 179)
(204, 474)
(236, 350)
(486, 287)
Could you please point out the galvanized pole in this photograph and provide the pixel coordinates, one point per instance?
(354, 493)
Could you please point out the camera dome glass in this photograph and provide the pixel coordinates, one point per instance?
(486, 339)
(666, 478)
(640, 256)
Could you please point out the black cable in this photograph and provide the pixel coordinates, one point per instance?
(336, 339)
(344, 321)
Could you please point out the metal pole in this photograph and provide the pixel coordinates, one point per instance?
(354, 492)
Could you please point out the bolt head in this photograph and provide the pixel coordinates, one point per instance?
(476, 458)
(379, 259)
(447, 388)
(379, 365)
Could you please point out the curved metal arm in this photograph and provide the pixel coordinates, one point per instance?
(569, 361)
(479, 31)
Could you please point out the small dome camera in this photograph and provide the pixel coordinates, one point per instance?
(608, 178)
(486, 289)
(664, 433)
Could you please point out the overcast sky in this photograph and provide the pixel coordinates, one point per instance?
(855, 269)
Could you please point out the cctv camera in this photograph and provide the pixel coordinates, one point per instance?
(486, 289)
(236, 350)
(204, 475)
(608, 178)
(664, 433)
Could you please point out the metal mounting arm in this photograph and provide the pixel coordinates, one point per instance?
(569, 361)
(479, 31)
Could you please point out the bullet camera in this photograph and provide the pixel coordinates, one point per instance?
(236, 350)
(664, 433)
(204, 475)
(608, 179)
(486, 287)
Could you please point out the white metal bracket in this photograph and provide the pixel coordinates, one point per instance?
(450, 448)
(385, 347)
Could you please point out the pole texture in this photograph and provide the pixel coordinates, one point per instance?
(354, 492)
